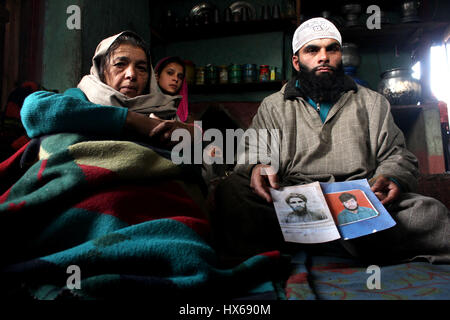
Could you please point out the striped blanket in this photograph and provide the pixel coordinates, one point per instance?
(96, 219)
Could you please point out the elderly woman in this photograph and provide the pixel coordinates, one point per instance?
(117, 98)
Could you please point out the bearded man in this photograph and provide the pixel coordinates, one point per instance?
(300, 212)
(331, 130)
(352, 210)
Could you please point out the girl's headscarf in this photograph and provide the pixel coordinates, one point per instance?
(162, 105)
(183, 107)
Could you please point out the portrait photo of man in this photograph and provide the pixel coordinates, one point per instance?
(353, 212)
(300, 212)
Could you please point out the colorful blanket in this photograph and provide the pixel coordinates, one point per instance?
(99, 219)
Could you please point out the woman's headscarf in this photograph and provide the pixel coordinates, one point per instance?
(162, 105)
(183, 107)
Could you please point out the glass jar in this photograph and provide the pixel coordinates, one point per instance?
(210, 74)
(264, 73)
(249, 73)
(235, 73)
(223, 74)
(190, 72)
(200, 75)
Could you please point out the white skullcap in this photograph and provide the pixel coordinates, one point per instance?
(312, 29)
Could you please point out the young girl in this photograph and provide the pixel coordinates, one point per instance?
(170, 74)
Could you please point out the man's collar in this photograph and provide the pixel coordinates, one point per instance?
(292, 90)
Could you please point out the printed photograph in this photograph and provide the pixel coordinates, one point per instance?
(300, 213)
(350, 206)
(303, 214)
(300, 204)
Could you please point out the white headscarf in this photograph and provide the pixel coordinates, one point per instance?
(312, 29)
(162, 105)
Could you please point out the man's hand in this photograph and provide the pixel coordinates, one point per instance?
(263, 177)
(385, 189)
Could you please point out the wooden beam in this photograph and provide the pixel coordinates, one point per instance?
(4, 13)
(297, 11)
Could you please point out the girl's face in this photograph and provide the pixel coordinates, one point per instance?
(171, 78)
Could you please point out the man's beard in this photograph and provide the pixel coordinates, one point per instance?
(324, 87)
(354, 209)
(300, 211)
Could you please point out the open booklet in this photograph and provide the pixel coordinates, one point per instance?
(320, 212)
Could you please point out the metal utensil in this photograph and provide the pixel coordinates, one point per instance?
(238, 5)
(202, 9)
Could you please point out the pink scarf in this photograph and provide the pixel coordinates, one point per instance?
(183, 107)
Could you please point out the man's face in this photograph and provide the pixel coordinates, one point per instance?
(127, 70)
(320, 56)
(297, 204)
(350, 204)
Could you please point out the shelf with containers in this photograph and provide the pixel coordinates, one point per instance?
(390, 42)
(222, 29)
(237, 87)
(259, 40)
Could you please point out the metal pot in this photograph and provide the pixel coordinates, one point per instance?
(410, 11)
(350, 55)
(399, 87)
(352, 12)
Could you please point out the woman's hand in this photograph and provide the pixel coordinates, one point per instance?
(163, 131)
(157, 130)
(140, 124)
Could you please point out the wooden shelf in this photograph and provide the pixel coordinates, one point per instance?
(236, 87)
(412, 107)
(421, 127)
(216, 30)
(406, 115)
(402, 34)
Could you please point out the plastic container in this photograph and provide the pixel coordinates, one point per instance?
(273, 73)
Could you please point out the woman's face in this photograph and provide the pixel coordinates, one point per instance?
(171, 78)
(127, 70)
